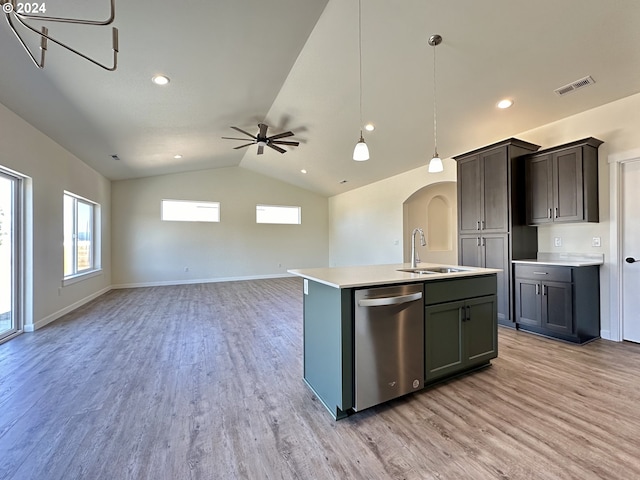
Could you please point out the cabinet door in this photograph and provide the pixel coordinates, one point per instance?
(539, 190)
(495, 191)
(528, 302)
(480, 330)
(557, 314)
(469, 188)
(443, 339)
(567, 185)
(495, 254)
(469, 251)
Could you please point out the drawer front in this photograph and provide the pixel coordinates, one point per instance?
(461, 288)
(544, 272)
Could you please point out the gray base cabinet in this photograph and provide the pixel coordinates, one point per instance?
(561, 302)
(460, 334)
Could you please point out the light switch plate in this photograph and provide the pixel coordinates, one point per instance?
(557, 241)
(595, 242)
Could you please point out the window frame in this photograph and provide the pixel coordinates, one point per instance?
(95, 267)
(262, 205)
(196, 203)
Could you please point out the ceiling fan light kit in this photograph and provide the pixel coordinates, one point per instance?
(435, 164)
(361, 151)
(12, 11)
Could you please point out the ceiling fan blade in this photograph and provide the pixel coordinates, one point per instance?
(260, 149)
(281, 135)
(234, 138)
(242, 146)
(242, 131)
(282, 142)
(263, 129)
(276, 148)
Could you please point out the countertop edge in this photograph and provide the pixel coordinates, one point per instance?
(382, 274)
(560, 263)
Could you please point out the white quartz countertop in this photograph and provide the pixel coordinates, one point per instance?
(366, 275)
(564, 259)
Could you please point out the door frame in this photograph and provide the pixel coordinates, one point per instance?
(616, 161)
(18, 254)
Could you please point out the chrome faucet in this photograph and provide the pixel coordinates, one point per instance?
(415, 259)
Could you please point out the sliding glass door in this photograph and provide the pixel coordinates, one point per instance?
(9, 254)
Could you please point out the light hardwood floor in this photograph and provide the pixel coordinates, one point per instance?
(205, 382)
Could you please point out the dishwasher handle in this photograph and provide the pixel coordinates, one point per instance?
(384, 301)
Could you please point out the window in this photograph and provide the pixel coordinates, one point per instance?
(188, 211)
(80, 235)
(278, 214)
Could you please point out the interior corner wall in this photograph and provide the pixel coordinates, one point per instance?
(366, 223)
(52, 170)
(149, 251)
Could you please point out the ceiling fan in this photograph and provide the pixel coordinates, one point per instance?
(263, 141)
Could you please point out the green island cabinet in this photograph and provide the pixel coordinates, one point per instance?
(460, 326)
(460, 334)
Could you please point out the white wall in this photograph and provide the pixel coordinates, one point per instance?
(366, 222)
(51, 170)
(148, 251)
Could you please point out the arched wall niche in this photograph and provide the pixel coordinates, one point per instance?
(434, 209)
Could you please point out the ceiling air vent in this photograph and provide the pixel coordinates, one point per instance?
(583, 82)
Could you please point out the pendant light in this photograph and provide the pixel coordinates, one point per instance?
(435, 164)
(361, 152)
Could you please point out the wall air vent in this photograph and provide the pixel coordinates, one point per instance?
(583, 82)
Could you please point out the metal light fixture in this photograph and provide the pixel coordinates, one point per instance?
(11, 11)
(361, 152)
(435, 164)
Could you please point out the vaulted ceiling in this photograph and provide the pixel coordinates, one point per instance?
(293, 64)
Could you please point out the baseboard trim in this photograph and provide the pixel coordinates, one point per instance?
(606, 334)
(31, 327)
(200, 280)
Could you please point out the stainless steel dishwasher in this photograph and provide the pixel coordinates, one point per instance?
(389, 343)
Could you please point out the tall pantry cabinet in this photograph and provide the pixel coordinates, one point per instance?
(492, 227)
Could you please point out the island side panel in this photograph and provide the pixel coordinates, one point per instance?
(328, 345)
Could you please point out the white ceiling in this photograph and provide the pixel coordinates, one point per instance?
(294, 65)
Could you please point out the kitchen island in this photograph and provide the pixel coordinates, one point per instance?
(359, 337)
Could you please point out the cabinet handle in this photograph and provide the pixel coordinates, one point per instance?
(550, 213)
(537, 289)
(478, 241)
(483, 242)
(544, 289)
(556, 212)
(468, 313)
(461, 314)
(478, 225)
(541, 273)
(482, 225)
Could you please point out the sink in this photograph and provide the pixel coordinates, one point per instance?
(446, 270)
(420, 271)
(427, 271)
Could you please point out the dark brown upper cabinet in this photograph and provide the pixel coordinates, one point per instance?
(491, 213)
(562, 183)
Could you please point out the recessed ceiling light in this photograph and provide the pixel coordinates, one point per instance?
(303, 171)
(160, 79)
(369, 127)
(506, 103)
(177, 156)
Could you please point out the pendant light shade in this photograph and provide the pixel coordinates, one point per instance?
(361, 151)
(435, 164)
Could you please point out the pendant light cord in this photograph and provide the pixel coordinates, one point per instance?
(360, 57)
(435, 121)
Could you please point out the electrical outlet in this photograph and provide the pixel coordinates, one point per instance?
(595, 242)
(557, 241)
